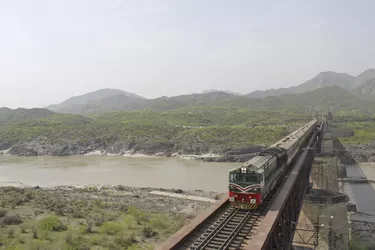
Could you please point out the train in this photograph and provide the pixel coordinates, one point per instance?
(250, 184)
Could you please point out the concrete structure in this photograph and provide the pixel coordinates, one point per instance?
(324, 172)
(323, 221)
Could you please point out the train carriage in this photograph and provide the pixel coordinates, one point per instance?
(250, 184)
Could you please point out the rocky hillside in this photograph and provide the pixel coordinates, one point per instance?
(193, 130)
(323, 79)
(367, 90)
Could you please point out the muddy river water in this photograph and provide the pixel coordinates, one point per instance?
(153, 172)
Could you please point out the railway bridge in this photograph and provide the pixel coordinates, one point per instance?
(305, 211)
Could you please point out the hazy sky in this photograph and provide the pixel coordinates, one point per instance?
(51, 50)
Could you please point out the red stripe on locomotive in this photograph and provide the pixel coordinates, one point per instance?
(245, 197)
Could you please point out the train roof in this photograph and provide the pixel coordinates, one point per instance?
(277, 149)
(289, 140)
(256, 163)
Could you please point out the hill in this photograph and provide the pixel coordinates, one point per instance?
(192, 130)
(333, 98)
(225, 91)
(111, 103)
(114, 101)
(191, 124)
(326, 90)
(170, 103)
(92, 101)
(365, 76)
(367, 90)
(323, 79)
(21, 115)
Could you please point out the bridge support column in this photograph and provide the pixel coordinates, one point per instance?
(324, 172)
(323, 222)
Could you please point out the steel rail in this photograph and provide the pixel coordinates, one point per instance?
(205, 241)
(235, 232)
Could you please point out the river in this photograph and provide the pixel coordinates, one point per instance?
(155, 172)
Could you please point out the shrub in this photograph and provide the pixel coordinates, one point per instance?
(11, 220)
(89, 226)
(138, 214)
(51, 223)
(148, 232)
(112, 228)
(2, 213)
(125, 241)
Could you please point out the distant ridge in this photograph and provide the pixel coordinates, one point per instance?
(21, 114)
(75, 104)
(356, 90)
(323, 79)
(225, 91)
(117, 100)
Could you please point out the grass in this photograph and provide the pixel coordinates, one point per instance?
(364, 132)
(40, 219)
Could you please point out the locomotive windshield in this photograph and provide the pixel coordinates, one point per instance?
(251, 178)
(234, 177)
(248, 178)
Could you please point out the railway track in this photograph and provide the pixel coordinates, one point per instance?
(230, 229)
(221, 233)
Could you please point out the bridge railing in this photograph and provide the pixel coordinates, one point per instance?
(278, 226)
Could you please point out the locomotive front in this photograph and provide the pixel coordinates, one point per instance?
(245, 188)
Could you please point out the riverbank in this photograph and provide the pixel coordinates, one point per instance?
(362, 152)
(228, 155)
(95, 217)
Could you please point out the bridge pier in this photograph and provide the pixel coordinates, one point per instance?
(323, 221)
(324, 172)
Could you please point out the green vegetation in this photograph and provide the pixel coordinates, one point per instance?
(364, 132)
(342, 116)
(192, 125)
(220, 127)
(209, 116)
(17, 115)
(41, 219)
(232, 136)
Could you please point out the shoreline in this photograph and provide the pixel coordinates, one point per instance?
(208, 157)
(103, 188)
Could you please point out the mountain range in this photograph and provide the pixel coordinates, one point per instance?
(327, 89)
(327, 79)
